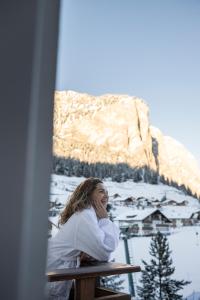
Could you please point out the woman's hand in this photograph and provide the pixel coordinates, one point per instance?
(99, 200)
(100, 210)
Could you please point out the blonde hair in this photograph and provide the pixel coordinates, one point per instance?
(80, 199)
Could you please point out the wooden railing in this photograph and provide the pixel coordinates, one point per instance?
(86, 287)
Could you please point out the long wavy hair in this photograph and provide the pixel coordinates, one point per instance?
(80, 199)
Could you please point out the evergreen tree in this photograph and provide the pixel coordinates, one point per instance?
(113, 282)
(156, 281)
(147, 291)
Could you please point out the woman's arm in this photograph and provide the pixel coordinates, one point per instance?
(109, 228)
(111, 232)
(97, 239)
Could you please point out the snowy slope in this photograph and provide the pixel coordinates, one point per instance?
(62, 187)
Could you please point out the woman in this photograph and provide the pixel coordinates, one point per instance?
(86, 232)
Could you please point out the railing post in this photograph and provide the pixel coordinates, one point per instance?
(85, 288)
(130, 277)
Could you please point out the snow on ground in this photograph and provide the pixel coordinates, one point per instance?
(194, 296)
(63, 185)
(184, 242)
(185, 247)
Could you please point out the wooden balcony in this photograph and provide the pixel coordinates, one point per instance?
(86, 280)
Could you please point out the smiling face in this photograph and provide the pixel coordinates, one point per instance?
(100, 195)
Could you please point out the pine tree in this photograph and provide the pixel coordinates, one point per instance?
(147, 291)
(156, 280)
(113, 282)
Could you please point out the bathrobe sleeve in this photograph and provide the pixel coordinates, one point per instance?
(96, 238)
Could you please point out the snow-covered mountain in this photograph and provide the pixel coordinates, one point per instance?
(115, 129)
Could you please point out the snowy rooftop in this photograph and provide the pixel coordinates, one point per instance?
(178, 212)
(135, 214)
(171, 212)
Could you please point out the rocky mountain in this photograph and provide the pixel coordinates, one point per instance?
(115, 129)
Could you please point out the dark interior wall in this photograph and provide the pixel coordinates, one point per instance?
(28, 41)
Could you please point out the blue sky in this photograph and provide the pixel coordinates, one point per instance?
(144, 48)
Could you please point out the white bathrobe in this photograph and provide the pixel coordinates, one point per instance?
(83, 232)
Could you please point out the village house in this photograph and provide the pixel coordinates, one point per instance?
(142, 203)
(116, 195)
(175, 202)
(183, 203)
(196, 217)
(130, 201)
(182, 216)
(156, 203)
(139, 203)
(170, 202)
(143, 222)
